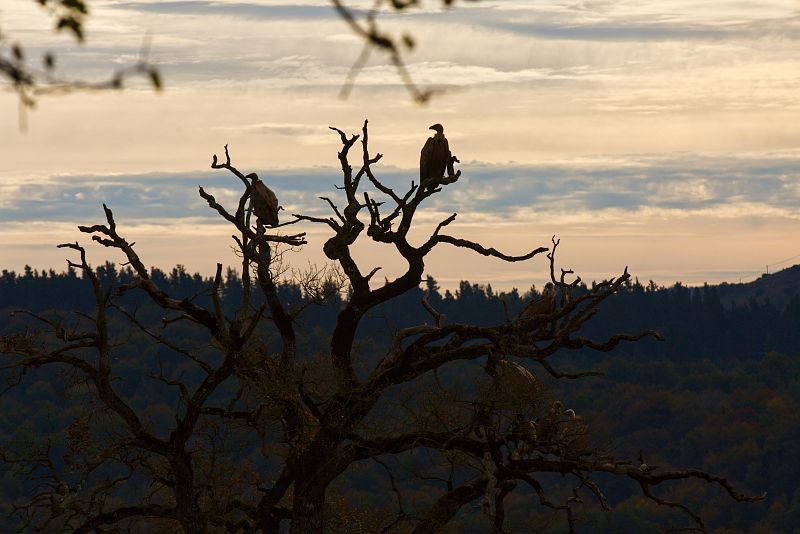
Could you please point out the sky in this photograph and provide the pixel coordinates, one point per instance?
(664, 136)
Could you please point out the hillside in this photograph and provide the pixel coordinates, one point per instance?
(778, 287)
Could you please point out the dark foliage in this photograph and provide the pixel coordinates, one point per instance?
(718, 393)
(694, 321)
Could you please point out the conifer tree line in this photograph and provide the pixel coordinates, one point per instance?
(694, 320)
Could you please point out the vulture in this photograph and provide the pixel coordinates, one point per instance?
(643, 467)
(435, 158)
(547, 425)
(265, 203)
(523, 434)
(532, 316)
(573, 436)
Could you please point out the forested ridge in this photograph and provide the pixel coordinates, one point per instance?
(722, 392)
(716, 322)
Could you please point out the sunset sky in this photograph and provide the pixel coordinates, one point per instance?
(660, 135)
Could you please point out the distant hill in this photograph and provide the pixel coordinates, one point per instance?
(778, 287)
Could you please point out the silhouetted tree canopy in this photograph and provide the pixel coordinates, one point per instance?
(252, 402)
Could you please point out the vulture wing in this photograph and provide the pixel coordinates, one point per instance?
(531, 316)
(542, 306)
(425, 159)
(265, 203)
(440, 157)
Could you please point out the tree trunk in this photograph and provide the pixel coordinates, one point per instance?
(308, 517)
(315, 469)
(188, 510)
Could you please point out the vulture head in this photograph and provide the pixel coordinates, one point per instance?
(438, 127)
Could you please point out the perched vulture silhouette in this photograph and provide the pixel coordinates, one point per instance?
(523, 434)
(547, 425)
(533, 315)
(265, 203)
(643, 467)
(573, 436)
(435, 158)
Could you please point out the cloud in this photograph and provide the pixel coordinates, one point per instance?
(649, 211)
(245, 10)
(649, 58)
(691, 183)
(280, 128)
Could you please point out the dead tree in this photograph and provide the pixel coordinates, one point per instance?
(316, 419)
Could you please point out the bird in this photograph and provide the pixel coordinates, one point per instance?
(265, 203)
(547, 424)
(534, 313)
(573, 435)
(523, 435)
(643, 467)
(435, 158)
